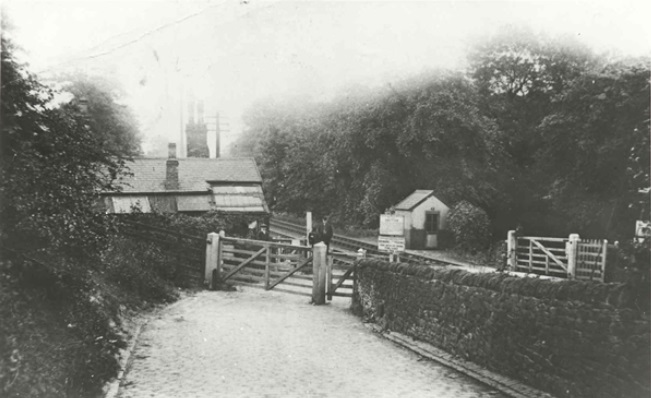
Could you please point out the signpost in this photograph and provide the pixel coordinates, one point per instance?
(391, 243)
(392, 225)
(642, 230)
(391, 237)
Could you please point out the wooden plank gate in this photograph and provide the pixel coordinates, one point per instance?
(289, 268)
(591, 259)
(571, 258)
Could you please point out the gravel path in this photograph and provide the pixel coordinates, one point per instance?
(253, 343)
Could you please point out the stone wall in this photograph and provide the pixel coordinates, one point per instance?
(569, 338)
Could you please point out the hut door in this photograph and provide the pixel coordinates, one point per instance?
(432, 219)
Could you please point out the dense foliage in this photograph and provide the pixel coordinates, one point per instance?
(53, 163)
(470, 226)
(60, 332)
(539, 132)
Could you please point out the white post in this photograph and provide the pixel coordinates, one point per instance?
(511, 247)
(361, 253)
(212, 254)
(571, 251)
(308, 225)
(319, 273)
(604, 254)
(329, 285)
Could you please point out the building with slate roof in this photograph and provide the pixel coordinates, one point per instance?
(190, 185)
(425, 216)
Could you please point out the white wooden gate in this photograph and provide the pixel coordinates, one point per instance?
(591, 259)
(571, 257)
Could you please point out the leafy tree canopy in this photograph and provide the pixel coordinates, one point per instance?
(53, 165)
(107, 115)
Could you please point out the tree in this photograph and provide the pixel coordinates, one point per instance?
(52, 168)
(518, 73)
(359, 154)
(107, 116)
(470, 225)
(595, 155)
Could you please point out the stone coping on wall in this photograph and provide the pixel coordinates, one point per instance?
(506, 385)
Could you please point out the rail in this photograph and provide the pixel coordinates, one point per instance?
(344, 242)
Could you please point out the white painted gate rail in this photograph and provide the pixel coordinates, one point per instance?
(572, 257)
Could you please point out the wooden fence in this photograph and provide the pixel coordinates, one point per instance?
(570, 257)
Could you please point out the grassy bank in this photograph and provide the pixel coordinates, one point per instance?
(62, 324)
(63, 318)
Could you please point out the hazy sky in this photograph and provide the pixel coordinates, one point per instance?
(230, 53)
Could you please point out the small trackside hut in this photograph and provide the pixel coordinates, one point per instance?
(425, 216)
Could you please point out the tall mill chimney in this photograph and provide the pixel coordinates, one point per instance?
(217, 134)
(172, 171)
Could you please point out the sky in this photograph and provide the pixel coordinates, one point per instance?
(231, 53)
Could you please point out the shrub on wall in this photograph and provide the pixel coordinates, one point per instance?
(470, 225)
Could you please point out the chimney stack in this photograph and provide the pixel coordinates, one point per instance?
(172, 171)
(200, 112)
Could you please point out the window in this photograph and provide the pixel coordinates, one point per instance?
(431, 223)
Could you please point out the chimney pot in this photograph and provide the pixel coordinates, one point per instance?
(172, 170)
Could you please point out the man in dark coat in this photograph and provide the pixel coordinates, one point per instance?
(322, 233)
(263, 234)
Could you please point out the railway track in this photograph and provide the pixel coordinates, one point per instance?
(341, 242)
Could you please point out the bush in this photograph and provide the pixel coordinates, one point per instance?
(470, 226)
(142, 269)
(446, 239)
(58, 335)
(201, 225)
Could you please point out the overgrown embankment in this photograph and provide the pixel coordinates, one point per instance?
(572, 339)
(61, 328)
(62, 316)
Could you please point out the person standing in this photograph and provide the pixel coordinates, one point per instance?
(322, 233)
(326, 232)
(263, 234)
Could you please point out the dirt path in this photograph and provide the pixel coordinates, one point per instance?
(253, 343)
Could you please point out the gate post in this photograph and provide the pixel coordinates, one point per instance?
(212, 260)
(571, 250)
(308, 226)
(319, 273)
(329, 284)
(511, 247)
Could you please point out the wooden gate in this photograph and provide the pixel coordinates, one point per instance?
(572, 258)
(591, 259)
(340, 275)
(264, 264)
(545, 256)
(280, 266)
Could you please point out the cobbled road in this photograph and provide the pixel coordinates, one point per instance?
(252, 343)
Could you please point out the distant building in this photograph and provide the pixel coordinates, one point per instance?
(425, 216)
(190, 185)
(196, 131)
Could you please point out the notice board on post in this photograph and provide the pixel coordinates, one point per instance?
(391, 243)
(392, 230)
(392, 225)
